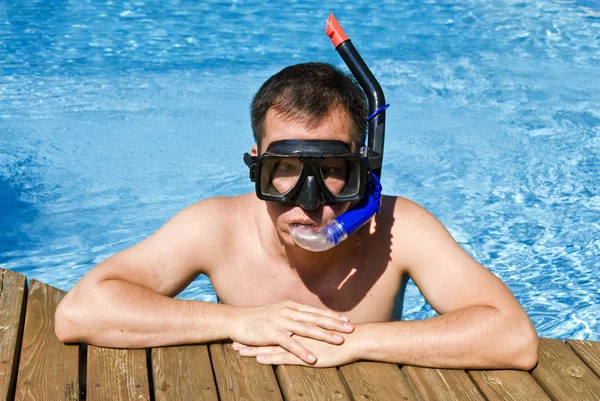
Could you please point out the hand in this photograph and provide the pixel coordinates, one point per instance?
(275, 324)
(327, 355)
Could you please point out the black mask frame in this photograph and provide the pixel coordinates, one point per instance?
(310, 191)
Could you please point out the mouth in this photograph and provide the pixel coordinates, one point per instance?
(314, 226)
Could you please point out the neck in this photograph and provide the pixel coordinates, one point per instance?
(307, 263)
(304, 261)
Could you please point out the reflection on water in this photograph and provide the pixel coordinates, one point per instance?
(115, 115)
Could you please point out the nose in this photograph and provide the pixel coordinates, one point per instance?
(310, 194)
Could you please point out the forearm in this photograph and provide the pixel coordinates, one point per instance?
(120, 314)
(477, 337)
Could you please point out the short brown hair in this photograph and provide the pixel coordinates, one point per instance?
(308, 93)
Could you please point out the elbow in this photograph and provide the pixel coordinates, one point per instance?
(514, 344)
(67, 323)
(528, 358)
(525, 342)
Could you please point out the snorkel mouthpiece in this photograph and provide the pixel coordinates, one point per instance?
(339, 229)
(318, 241)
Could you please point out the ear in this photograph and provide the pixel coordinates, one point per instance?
(254, 150)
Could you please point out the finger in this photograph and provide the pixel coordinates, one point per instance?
(325, 322)
(321, 311)
(254, 351)
(295, 348)
(317, 333)
(236, 345)
(282, 358)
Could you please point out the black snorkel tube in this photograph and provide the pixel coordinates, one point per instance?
(340, 228)
(368, 83)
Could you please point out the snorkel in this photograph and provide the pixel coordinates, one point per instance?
(340, 228)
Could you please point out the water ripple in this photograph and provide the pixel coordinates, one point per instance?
(115, 115)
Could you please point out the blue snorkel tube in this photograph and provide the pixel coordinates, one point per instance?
(343, 226)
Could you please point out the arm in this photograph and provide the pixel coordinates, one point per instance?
(450, 341)
(481, 324)
(477, 337)
(126, 301)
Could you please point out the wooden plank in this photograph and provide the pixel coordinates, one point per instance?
(562, 375)
(508, 385)
(48, 369)
(300, 383)
(240, 378)
(443, 384)
(377, 381)
(117, 374)
(589, 352)
(183, 373)
(13, 296)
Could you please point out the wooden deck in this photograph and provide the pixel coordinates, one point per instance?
(35, 365)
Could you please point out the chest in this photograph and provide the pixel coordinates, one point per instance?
(365, 291)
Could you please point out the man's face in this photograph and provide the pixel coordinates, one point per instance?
(334, 127)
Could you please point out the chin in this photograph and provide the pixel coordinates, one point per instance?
(286, 237)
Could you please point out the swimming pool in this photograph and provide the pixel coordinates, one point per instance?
(116, 115)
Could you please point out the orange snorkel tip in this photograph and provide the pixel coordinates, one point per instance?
(335, 31)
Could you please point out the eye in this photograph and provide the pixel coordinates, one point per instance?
(287, 168)
(333, 168)
(284, 166)
(331, 171)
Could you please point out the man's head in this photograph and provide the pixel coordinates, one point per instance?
(308, 94)
(312, 101)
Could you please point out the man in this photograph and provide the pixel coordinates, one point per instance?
(286, 305)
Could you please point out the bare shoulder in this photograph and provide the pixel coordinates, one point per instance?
(189, 244)
(405, 209)
(449, 278)
(408, 222)
(210, 224)
(417, 236)
(211, 214)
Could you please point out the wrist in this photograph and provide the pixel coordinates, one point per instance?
(357, 342)
(233, 320)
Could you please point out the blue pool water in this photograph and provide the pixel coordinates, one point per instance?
(115, 115)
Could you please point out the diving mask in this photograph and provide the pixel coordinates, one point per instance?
(309, 173)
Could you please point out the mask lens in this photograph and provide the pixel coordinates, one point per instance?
(279, 175)
(340, 176)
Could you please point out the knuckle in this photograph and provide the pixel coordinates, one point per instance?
(283, 338)
(323, 322)
(311, 317)
(303, 328)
